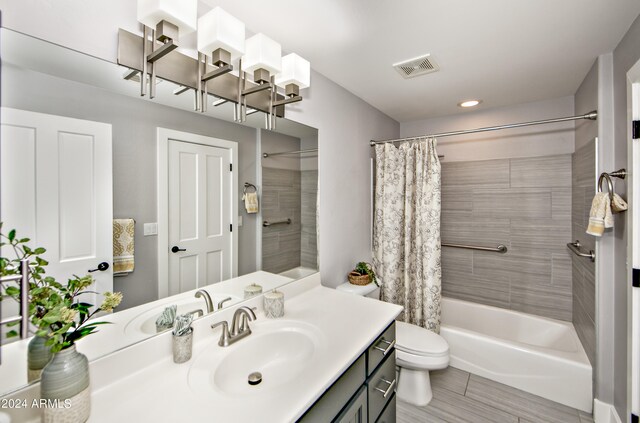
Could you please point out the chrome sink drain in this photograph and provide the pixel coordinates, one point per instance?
(254, 378)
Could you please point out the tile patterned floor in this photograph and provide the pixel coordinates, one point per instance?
(459, 397)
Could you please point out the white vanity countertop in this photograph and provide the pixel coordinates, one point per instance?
(160, 392)
(141, 383)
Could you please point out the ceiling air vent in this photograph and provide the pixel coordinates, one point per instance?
(418, 66)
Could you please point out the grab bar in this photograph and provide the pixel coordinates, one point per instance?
(277, 222)
(23, 318)
(575, 247)
(501, 248)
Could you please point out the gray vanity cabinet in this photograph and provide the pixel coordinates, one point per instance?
(365, 393)
(356, 411)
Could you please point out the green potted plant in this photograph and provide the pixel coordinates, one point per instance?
(61, 319)
(362, 274)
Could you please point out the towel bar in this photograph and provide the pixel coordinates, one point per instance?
(23, 318)
(277, 222)
(576, 248)
(499, 249)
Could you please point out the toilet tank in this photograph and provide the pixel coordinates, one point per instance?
(371, 290)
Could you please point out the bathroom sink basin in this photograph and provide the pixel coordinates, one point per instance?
(145, 322)
(280, 352)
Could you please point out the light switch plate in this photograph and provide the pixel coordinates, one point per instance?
(150, 229)
(239, 221)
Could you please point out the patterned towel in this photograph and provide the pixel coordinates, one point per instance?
(600, 216)
(123, 246)
(251, 202)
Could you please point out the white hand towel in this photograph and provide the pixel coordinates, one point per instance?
(251, 202)
(600, 216)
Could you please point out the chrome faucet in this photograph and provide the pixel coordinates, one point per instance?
(221, 302)
(239, 326)
(201, 293)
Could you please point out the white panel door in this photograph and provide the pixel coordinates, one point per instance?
(56, 188)
(634, 211)
(200, 242)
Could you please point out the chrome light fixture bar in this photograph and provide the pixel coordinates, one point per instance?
(182, 70)
(220, 40)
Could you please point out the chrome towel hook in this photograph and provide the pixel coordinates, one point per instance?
(604, 176)
(248, 185)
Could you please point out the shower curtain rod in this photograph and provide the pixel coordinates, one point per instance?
(311, 150)
(590, 116)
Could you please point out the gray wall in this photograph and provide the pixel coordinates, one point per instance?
(606, 86)
(626, 54)
(308, 237)
(584, 180)
(524, 204)
(281, 199)
(345, 125)
(584, 270)
(134, 124)
(289, 189)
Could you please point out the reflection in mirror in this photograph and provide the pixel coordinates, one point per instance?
(95, 174)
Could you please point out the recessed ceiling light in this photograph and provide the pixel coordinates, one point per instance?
(470, 103)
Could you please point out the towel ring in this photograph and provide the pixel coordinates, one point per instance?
(248, 185)
(605, 176)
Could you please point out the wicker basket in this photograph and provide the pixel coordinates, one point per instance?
(356, 278)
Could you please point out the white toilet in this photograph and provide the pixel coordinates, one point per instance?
(418, 351)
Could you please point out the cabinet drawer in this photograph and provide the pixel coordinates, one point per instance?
(381, 386)
(389, 413)
(381, 348)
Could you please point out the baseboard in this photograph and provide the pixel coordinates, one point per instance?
(604, 413)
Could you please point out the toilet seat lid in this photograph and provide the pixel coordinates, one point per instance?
(419, 341)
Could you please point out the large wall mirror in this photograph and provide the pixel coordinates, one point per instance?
(146, 195)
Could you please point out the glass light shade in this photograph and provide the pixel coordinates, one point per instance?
(295, 70)
(261, 52)
(218, 29)
(181, 13)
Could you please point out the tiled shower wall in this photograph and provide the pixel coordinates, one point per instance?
(584, 280)
(524, 204)
(281, 199)
(309, 244)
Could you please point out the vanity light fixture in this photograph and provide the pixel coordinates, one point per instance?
(220, 41)
(166, 19)
(469, 103)
(263, 57)
(221, 36)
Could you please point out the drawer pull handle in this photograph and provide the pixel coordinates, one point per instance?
(389, 389)
(390, 346)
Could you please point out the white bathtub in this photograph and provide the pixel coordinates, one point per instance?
(298, 272)
(535, 354)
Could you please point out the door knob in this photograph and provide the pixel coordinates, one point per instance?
(101, 267)
(175, 249)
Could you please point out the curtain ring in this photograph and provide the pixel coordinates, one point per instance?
(603, 176)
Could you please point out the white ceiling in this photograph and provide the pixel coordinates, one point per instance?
(501, 51)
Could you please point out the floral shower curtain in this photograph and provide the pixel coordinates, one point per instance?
(406, 240)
